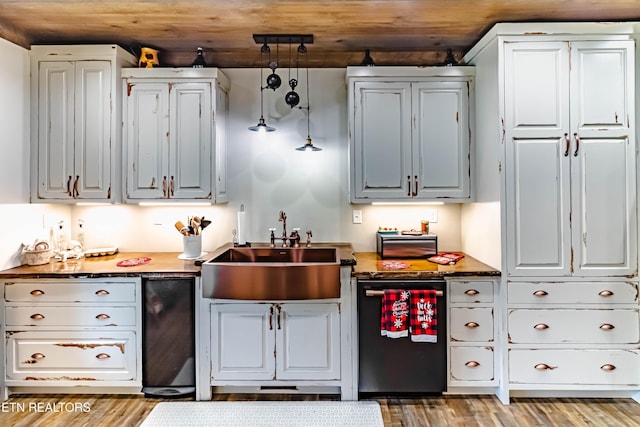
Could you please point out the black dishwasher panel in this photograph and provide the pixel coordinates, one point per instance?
(389, 366)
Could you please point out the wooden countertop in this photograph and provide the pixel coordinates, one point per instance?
(369, 266)
(162, 263)
(165, 264)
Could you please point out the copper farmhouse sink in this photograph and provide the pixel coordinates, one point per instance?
(272, 274)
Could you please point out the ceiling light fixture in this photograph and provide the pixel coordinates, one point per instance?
(308, 146)
(262, 125)
(367, 61)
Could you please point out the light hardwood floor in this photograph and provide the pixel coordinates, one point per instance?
(464, 411)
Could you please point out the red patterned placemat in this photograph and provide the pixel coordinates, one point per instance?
(445, 258)
(132, 262)
(393, 265)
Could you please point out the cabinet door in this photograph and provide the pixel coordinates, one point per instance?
(55, 129)
(147, 140)
(308, 342)
(93, 141)
(441, 141)
(242, 342)
(603, 169)
(382, 141)
(190, 140)
(537, 164)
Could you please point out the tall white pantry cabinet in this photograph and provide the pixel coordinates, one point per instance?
(560, 159)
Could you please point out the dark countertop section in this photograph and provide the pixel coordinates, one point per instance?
(370, 266)
(162, 264)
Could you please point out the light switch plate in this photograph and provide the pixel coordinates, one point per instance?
(356, 216)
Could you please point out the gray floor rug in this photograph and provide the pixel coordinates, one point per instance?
(263, 414)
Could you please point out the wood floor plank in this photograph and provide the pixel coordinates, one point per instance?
(60, 410)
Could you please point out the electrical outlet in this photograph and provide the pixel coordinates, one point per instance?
(431, 215)
(356, 216)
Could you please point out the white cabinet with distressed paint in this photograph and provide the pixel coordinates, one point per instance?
(175, 134)
(70, 333)
(472, 330)
(76, 121)
(258, 342)
(557, 184)
(570, 158)
(410, 133)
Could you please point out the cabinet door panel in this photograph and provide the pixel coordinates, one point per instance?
(93, 129)
(538, 208)
(221, 120)
(55, 128)
(382, 144)
(604, 212)
(441, 139)
(242, 342)
(537, 88)
(190, 140)
(308, 342)
(602, 86)
(147, 139)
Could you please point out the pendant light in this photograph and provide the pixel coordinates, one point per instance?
(308, 146)
(262, 125)
(292, 98)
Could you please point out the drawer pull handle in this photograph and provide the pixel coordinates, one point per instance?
(102, 356)
(36, 292)
(471, 292)
(471, 325)
(102, 292)
(472, 364)
(608, 367)
(541, 293)
(103, 316)
(544, 367)
(605, 293)
(37, 356)
(541, 326)
(37, 316)
(607, 326)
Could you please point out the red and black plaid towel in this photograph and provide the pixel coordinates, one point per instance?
(445, 258)
(395, 313)
(423, 316)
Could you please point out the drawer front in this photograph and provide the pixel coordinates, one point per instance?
(63, 291)
(471, 291)
(573, 293)
(574, 326)
(65, 356)
(471, 364)
(471, 324)
(615, 367)
(70, 316)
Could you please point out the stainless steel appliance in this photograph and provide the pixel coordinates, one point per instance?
(406, 245)
(168, 337)
(398, 366)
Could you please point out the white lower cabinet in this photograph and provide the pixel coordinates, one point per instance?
(275, 341)
(72, 332)
(573, 335)
(471, 333)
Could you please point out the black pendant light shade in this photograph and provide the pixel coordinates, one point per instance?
(262, 126)
(367, 61)
(292, 98)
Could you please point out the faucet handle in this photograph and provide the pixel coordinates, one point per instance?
(272, 237)
(309, 235)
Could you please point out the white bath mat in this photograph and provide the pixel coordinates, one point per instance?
(265, 414)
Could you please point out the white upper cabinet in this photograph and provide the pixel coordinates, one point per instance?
(570, 158)
(175, 134)
(74, 132)
(409, 132)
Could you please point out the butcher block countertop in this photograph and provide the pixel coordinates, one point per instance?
(370, 266)
(162, 264)
(166, 264)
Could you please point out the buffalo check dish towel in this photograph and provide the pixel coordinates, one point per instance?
(395, 313)
(423, 321)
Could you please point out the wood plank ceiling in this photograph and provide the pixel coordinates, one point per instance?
(398, 32)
